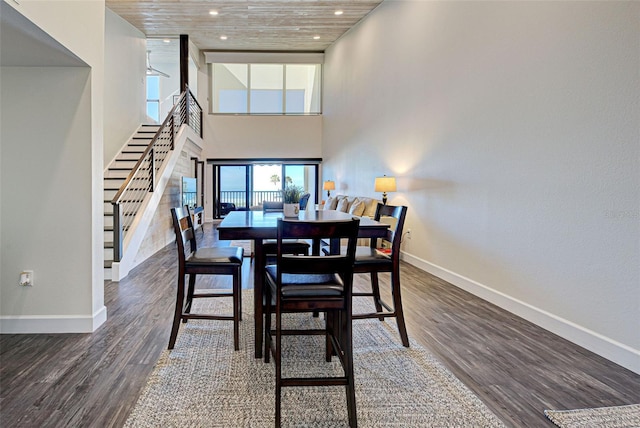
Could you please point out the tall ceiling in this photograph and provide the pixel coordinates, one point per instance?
(248, 25)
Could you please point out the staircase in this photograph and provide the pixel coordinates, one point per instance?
(114, 177)
(136, 179)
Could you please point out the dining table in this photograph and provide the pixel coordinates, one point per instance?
(259, 225)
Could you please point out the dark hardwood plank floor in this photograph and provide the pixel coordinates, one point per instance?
(93, 380)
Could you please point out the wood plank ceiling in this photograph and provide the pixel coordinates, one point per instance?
(248, 25)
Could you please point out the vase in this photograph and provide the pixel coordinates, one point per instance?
(291, 210)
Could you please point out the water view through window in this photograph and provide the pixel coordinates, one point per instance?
(246, 186)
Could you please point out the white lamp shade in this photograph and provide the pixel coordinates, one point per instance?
(329, 185)
(385, 184)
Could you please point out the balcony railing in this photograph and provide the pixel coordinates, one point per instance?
(239, 197)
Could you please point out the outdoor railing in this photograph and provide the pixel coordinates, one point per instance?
(239, 197)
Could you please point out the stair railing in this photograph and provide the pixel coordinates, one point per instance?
(142, 178)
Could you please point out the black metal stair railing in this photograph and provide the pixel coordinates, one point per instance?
(142, 179)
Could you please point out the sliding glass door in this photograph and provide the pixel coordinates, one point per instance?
(245, 186)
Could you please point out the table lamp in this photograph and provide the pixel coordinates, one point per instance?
(385, 184)
(329, 186)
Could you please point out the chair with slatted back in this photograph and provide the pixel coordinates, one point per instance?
(194, 261)
(313, 283)
(371, 260)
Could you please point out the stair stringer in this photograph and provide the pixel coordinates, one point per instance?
(144, 217)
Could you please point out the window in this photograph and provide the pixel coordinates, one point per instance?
(290, 89)
(230, 88)
(153, 98)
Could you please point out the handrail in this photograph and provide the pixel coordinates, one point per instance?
(141, 180)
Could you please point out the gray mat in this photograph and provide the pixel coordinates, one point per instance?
(601, 417)
(204, 383)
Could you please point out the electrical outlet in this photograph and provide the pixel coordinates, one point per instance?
(408, 233)
(26, 278)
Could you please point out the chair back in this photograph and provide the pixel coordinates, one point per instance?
(272, 206)
(341, 264)
(304, 200)
(183, 228)
(394, 234)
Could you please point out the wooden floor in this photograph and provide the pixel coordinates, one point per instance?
(93, 380)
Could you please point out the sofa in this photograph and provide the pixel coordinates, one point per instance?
(361, 206)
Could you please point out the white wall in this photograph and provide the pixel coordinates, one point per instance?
(262, 136)
(52, 142)
(513, 130)
(125, 68)
(45, 206)
(252, 137)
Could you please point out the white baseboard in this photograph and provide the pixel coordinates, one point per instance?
(608, 348)
(34, 324)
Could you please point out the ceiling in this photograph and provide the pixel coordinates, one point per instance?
(249, 25)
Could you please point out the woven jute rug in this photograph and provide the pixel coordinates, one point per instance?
(202, 382)
(601, 417)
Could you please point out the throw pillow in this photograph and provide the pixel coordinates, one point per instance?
(343, 205)
(330, 204)
(357, 208)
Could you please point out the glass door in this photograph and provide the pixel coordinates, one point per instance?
(267, 183)
(232, 189)
(247, 186)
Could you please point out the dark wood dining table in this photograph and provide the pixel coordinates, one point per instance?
(257, 226)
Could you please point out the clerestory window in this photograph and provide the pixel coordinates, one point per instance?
(264, 88)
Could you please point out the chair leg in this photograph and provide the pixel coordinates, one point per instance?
(346, 331)
(190, 291)
(375, 289)
(397, 306)
(240, 292)
(236, 307)
(331, 324)
(267, 325)
(278, 361)
(178, 311)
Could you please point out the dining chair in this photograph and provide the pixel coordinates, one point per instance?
(195, 261)
(313, 283)
(292, 246)
(304, 200)
(373, 260)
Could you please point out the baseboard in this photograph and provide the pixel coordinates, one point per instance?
(608, 348)
(35, 324)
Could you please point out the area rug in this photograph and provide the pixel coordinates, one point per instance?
(601, 417)
(202, 382)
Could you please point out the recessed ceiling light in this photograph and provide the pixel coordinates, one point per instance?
(338, 12)
(316, 37)
(223, 37)
(167, 40)
(213, 12)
